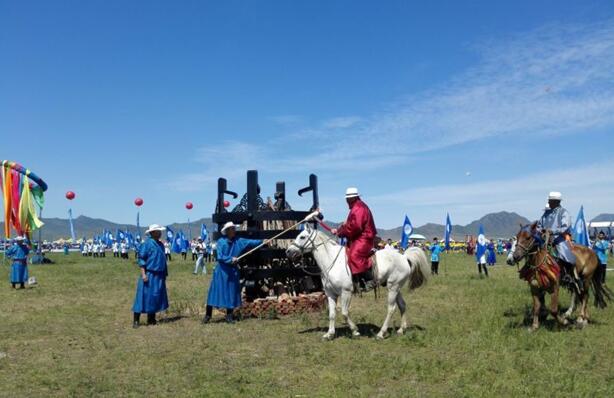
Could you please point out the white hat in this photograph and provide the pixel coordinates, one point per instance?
(155, 227)
(20, 238)
(351, 192)
(555, 196)
(228, 225)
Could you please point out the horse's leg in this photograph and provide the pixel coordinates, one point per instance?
(402, 309)
(554, 307)
(332, 314)
(572, 306)
(393, 292)
(583, 318)
(346, 299)
(536, 307)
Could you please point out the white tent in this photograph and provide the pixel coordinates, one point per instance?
(601, 224)
(417, 237)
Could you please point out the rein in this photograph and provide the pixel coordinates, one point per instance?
(312, 239)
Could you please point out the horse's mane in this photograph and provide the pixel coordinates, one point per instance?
(327, 238)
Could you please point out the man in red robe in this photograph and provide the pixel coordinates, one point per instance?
(359, 230)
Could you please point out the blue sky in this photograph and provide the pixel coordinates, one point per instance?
(117, 99)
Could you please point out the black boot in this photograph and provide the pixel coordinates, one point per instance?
(570, 277)
(367, 281)
(22, 286)
(151, 319)
(136, 320)
(208, 312)
(229, 317)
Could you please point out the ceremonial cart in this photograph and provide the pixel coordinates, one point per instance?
(268, 272)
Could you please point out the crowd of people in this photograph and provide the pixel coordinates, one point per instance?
(358, 232)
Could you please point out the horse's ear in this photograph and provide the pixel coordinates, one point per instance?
(534, 226)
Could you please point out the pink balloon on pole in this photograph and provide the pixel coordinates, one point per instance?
(226, 203)
(70, 195)
(189, 205)
(138, 202)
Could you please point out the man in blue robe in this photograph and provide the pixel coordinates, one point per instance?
(19, 269)
(225, 288)
(151, 294)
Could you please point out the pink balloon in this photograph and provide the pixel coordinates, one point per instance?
(70, 195)
(226, 203)
(138, 202)
(189, 205)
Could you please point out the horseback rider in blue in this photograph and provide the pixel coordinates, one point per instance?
(151, 294)
(19, 269)
(557, 220)
(225, 288)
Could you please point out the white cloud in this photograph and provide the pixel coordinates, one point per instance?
(342, 122)
(591, 185)
(551, 81)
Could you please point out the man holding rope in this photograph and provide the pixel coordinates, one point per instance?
(359, 230)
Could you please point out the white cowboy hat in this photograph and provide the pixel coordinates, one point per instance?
(351, 192)
(155, 227)
(555, 196)
(19, 238)
(226, 226)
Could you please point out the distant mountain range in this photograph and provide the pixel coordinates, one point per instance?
(496, 225)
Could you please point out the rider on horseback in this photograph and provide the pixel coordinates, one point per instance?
(557, 220)
(359, 230)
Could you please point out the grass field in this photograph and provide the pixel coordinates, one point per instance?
(71, 336)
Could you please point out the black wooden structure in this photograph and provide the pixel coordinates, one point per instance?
(268, 269)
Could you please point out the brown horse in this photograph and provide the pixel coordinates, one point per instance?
(543, 274)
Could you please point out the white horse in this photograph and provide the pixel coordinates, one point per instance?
(393, 269)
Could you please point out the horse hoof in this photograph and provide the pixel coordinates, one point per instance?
(327, 337)
(581, 323)
(401, 332)
(532, 329)
(355, 333)
(379, 337)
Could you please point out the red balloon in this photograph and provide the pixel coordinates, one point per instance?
(138, 202)
(70, 195)
(189, 205)
(226, 203)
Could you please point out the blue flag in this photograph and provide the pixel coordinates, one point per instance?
(129, 239)
(72, 228)
(580, 231)
(448, 233)
(169, 234)
(121, 235)
(481, 249)
(408, 229)
(204, 234)
(177, 244)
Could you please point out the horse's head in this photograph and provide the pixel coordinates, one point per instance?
(526, 241)
(303, 244)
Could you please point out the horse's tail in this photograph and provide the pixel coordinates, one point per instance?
(603, 294)
(419, 267)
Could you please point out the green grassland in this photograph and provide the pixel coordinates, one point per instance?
(71, 335)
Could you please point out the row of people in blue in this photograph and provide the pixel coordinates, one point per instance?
(224, 291)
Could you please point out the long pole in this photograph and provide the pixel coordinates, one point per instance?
(40, 230)
(309, 217)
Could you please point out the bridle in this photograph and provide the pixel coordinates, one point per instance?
(312, 239)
